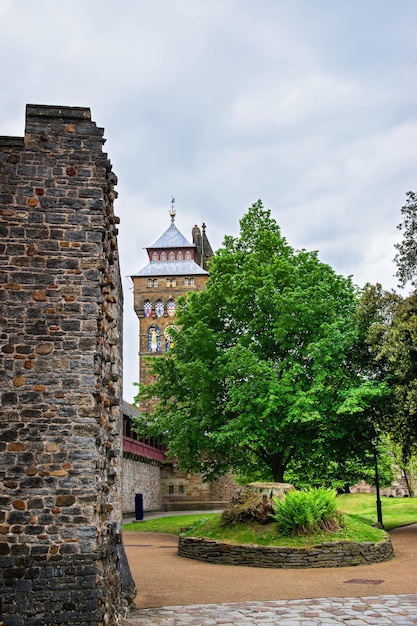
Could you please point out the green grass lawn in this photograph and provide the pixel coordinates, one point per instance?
(395, 511)
(359, 513)
(172, 524)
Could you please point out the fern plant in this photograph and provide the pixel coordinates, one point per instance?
(305, 512)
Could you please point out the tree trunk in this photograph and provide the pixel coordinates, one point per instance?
(407, 481)
(409, 478)
(277, 468)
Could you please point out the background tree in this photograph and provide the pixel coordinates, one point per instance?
(347, 470)
(408, 467)
(263, 361)
(392, 341)
(389, 321)
(406, 258)
(401, 345)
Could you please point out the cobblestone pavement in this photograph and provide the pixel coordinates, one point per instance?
(400, 610)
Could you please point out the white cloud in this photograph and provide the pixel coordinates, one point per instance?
(310, 106)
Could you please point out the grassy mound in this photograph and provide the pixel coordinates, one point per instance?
(359, 513)
(354, 529)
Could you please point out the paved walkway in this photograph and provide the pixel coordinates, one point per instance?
(400, 610)
(173, 591)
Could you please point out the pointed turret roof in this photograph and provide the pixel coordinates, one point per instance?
(171, 239)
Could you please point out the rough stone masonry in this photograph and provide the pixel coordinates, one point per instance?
(61, 556)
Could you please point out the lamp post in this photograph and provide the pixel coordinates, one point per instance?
(378, 497)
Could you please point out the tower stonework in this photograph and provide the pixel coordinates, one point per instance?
(61, 556)
(173, 270)
(176, 267)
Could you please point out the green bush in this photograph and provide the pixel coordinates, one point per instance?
(304, 512)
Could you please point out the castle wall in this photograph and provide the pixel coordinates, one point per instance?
(141, 477)
(61, 557)
(182, 490)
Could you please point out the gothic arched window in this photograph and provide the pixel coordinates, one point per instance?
(179, 256)
(163, 256)
(159, 308)
(147, 308)
(188, 256)
(171, 308)
(154, 339)
(154, 256)
(171, 257)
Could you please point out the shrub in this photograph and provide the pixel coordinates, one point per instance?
(304, 512)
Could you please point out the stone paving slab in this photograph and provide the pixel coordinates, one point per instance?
(398, 610)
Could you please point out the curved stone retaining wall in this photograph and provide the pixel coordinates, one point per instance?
(337, 554)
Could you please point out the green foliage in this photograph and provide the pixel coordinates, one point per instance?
(408, 468)
(406, 258)
(391, 343)
(390, 335)
(264, 358)
(304, 512)
(345, 470)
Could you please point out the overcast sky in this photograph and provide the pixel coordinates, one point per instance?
(310, 105)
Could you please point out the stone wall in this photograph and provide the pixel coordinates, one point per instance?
(223, 489)
(398, 489)
(338, 554)
(142, 477)
(178, 486)
(187, 490)
(61, 557)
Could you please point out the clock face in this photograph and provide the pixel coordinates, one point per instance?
(159, 308)
(168, 336)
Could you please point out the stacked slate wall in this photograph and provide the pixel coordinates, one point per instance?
(61, 556)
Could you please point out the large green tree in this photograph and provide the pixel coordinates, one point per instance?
(263, 360)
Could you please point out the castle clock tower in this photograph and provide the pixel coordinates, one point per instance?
(175, 267)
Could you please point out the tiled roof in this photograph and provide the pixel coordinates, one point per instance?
(172, 238)
(173, 268)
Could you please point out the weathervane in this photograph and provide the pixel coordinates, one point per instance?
(172, 211)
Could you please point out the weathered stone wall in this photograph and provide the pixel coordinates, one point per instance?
(398, 489)
(178, 486)
(61, 555)
(223, 489)
(338, 554)
(141, 477)
(187, 490)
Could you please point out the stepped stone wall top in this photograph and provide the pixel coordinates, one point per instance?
(61, 375)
